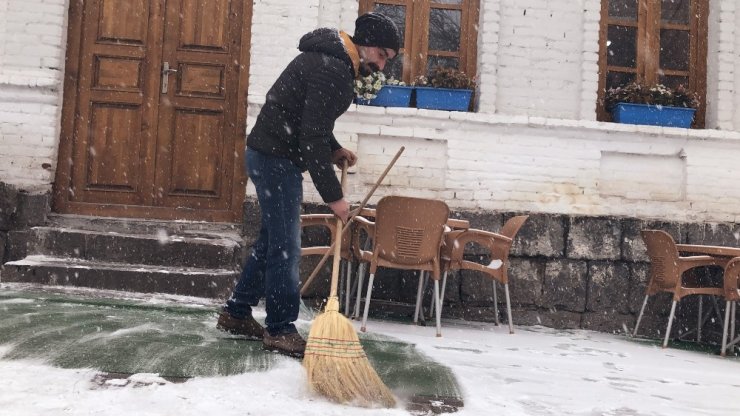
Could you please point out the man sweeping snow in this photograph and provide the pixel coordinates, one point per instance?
(293, 133)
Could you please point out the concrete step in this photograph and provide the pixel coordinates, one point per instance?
(178, 244)
(68, 271)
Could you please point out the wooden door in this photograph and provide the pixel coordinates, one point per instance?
(154, 113)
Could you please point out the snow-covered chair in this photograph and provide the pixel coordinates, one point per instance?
(732, 295)
(497, 244)
(667, 268)
(406, 234)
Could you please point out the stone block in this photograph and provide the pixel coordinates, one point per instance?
(19, 245)
(549, 318)
(564, 285)
(8, 204)
(633, 248)
(724, 234)
(33, 206)
(639, 277)
(476, 289)
(608, 321)
(541, 235)
(594, 238)
(609, 285)
(525, 281)
(3, 240)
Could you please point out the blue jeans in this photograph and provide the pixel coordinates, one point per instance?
(271, 271)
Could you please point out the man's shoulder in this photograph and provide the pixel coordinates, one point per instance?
(318, 61)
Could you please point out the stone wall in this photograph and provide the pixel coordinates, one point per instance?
(566, 272)
(19, 209)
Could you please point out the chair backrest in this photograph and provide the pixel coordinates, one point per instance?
(512, 226)
(732, 279)
(408, 230)
(510, 229)
(664, 259)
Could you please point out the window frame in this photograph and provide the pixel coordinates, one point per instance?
(648, 26)
(416, 37)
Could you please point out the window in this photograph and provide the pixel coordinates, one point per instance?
(657, 41)
(433, 32)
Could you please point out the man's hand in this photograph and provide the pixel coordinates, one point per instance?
(341, 209)
(343, 154)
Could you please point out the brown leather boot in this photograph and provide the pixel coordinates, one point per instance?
(247, 327)
(292, 345)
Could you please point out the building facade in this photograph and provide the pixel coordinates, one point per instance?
(82, 103)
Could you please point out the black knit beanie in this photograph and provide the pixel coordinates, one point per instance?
(375, 29)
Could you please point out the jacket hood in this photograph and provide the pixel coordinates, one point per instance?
(326, 41)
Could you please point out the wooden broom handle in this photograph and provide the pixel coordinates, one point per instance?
(338, 244)
(340, 235)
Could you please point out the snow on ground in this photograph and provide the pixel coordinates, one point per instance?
(537, 371)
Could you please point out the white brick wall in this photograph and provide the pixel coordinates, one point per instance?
(515, 163)
(539, 59)
(32, 37)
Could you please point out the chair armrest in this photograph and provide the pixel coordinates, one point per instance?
(362, 224)
(318, 220)
(497, 244)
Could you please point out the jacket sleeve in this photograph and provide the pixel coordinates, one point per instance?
(325, 94)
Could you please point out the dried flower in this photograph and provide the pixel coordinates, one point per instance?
(637, 93)
(445, 77)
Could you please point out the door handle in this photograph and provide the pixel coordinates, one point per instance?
(166, 71)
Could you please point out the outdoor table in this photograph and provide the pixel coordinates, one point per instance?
(724, 254)
(453, 223)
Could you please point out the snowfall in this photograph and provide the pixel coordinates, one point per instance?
(535, 371)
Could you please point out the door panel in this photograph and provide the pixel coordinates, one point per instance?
(154, 113)
(194, 135)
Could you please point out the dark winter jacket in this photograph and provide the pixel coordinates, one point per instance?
(298, 117)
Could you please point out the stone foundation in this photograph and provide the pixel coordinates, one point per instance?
(19, 209)
(565, 272)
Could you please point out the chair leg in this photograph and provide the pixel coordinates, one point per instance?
(495, 305)
(699, 320)
(725, 328)
(348, 290)
(418, 296)
(670, 323)
(733, 319)
(360, 278)
(438, 308)
(442, 295)
(639, 317)
(508, 309)
(367, 301)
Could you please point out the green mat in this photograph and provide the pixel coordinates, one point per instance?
(122, 336)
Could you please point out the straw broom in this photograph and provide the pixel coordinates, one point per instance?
(336, 364)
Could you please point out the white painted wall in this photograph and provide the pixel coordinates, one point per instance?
(533, 145)
(32, 39)
(534, 164)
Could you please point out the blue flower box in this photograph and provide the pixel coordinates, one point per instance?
(390, 96)
(443, 99)
(653, 115)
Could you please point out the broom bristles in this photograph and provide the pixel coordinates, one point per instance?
(336, 364)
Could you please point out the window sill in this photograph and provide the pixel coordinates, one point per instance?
(530, 121)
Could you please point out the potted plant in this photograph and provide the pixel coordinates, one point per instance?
(655, 105)
(375, 89)
(444, 89)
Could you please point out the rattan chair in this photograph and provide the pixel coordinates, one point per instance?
(407, 234)
(732, 295)
(667, 269)
(497, 244)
